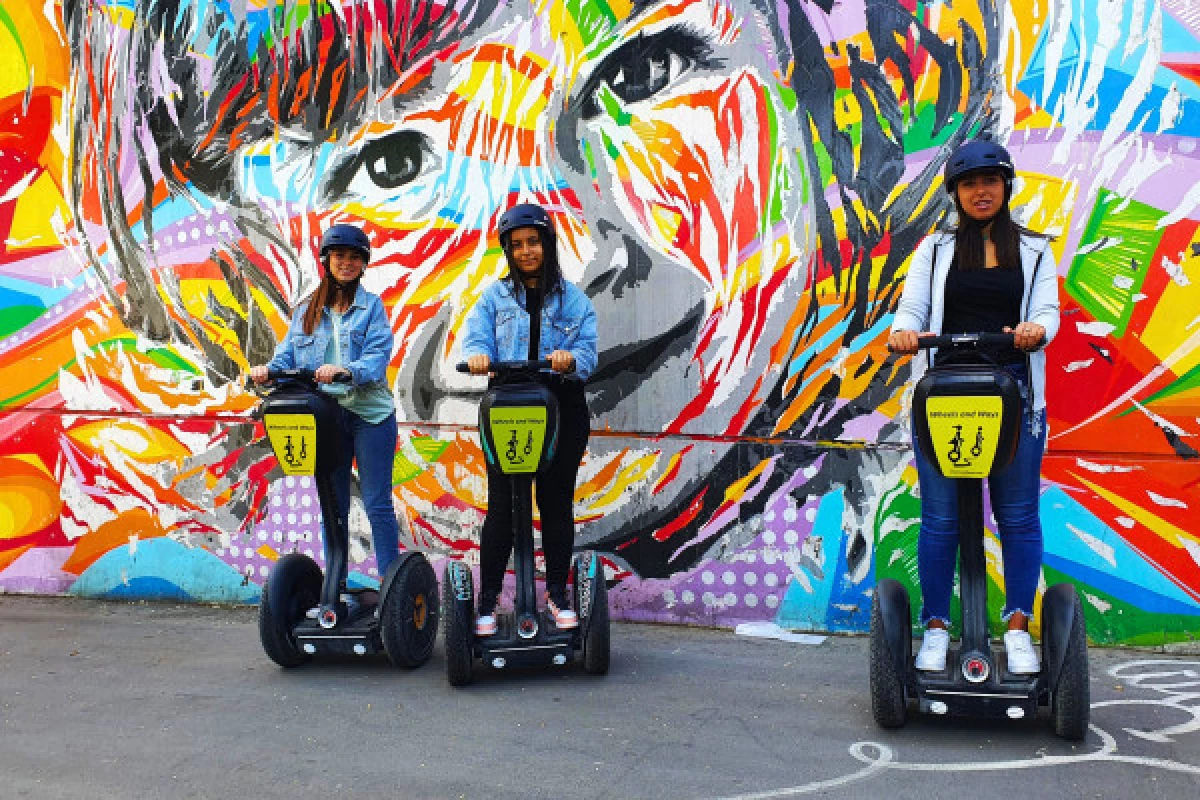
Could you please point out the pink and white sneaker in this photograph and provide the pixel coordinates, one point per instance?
(556, 603)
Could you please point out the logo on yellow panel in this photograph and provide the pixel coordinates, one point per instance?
(965, 431)
(294, 440)
(518, 434)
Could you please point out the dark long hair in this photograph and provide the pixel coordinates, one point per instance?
(969, 252)
(329, 292)
(551, 272)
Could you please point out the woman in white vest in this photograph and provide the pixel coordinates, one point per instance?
(988, 274)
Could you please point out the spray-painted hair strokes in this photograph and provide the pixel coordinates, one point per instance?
(863, 181)
(314, 81)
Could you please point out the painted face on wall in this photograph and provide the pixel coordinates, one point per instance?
(661, 144)
(722, 178)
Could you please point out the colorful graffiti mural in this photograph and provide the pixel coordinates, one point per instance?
(738, 185)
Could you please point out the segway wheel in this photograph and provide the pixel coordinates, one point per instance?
(457, 597)
(888, 704)
(408, 618)
(1070, 702)
(293, 587)
(596, 641)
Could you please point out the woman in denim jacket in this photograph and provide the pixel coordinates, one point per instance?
(533, 313)
(988, 275)
(343, 329)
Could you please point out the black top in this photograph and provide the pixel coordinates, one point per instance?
(533, 305)
(983, 301)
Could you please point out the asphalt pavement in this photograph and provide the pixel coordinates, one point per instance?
(165, 701)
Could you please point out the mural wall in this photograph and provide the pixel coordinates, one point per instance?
(738, 185)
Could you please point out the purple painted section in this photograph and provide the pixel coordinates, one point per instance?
(38, 571)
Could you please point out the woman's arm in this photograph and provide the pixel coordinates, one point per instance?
(584, 348)
(915, 303)
(285, 354)
(1043, 293)
(481, 329)
(371, 365)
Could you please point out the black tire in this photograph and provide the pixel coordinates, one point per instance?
(1071, 701)
(596, 639)
(408, 618)
(297, 578)
(888, 704)
(458, 634)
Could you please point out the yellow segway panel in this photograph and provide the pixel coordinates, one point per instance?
(294, 440)
(518, 434)
(518, 426)
(965, 431)
(966, 419)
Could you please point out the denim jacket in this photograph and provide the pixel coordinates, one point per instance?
(366, 342)
(498, 325)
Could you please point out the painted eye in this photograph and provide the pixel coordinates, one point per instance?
(388, 163)
(648, 75)
(645, 66)
(394, 160)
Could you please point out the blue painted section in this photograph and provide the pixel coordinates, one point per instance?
(1132, 580)
(849, 603)
(164, 568)
(148, 588)
(800, 360)
(1118, 70)
(810, 610)
(357, 580)
(17, 292)
(1116, 587)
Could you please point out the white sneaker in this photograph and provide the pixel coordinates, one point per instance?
(932, 656)
(1022, 656)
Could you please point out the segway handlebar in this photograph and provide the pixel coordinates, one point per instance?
(307, 376)
(972, 341)
(500, 367)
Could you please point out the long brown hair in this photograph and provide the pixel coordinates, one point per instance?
(328, 293)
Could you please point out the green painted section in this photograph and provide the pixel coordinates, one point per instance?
(1110, 620)
(160, 357)
(1117, 247)
(429, 450)
(1184, 383)
(16, 317)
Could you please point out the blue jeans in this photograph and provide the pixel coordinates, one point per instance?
(1014, 493)
(374, 448)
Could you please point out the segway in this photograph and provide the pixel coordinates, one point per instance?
(304, 613)
(966, 417)
(518, 427)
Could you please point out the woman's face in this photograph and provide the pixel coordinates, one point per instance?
(525, 245)
(346, 264)
(981, 195)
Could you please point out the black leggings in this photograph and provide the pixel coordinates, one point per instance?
(555, 490)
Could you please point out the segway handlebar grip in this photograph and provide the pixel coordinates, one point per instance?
(509, 366)
(304, 376)
(972, 340)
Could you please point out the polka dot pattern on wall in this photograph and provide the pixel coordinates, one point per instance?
(286, 528)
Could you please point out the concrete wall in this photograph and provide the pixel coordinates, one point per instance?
(738, 184)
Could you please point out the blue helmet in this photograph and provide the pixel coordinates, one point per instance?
(974, 156)
(345, 236)
(525, 215)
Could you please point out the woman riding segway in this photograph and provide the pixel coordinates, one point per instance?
(343, 329)
(341, 338)
(534, 313)
(989, 274)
